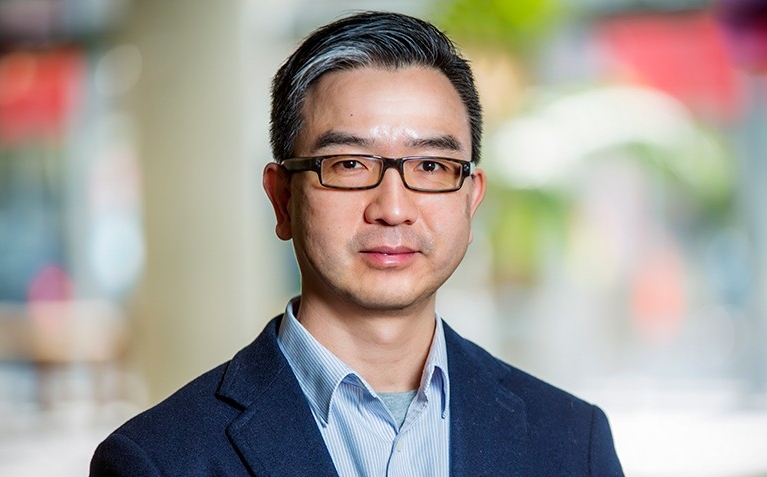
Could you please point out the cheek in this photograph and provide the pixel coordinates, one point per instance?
(451, 219)
(320, 223)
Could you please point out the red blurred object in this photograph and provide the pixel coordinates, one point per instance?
(51, 284)
(658, 300)
(681, 54)
(744, 24)
(39, 90)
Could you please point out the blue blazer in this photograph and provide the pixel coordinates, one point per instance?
(249, 417)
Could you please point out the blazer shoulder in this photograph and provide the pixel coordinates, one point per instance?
(190, 409)
(189, 428)
(545, 404)
(565, 435)
(182, 435)
(520, 382)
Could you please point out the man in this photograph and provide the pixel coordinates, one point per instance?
(376, 129)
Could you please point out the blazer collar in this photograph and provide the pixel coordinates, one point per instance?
(276, 434)
(488, 428)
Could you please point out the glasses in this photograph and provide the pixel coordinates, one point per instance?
(361, 171)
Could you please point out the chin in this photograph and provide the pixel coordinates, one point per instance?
(392, 304)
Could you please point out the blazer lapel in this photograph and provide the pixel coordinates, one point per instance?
(276, 434)
(488, 430)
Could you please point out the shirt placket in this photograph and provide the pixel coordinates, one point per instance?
(402, 449)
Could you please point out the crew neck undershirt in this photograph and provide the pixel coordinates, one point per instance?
(398, 404)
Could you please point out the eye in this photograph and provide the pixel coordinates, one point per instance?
(345, 164)
(431, 166)
(349, 164)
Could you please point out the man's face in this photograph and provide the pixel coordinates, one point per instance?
(386, 249)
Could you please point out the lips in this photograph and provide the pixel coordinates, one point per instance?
(389, 256)
(391, 248)
(386, 250)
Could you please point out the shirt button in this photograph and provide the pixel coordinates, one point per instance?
(399, 446)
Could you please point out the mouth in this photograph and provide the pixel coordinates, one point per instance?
(389, 257)
(385, 250)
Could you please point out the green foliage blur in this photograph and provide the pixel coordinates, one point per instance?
(515, 24)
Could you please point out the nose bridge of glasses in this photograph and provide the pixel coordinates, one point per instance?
(389, 163)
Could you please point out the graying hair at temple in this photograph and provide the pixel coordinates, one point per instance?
(369, 39)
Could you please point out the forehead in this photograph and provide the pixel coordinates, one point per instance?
(383, 106)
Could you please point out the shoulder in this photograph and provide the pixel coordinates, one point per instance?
(192, 421)
(546, 406)
(189, 408)
(186, 433)
(563, 430)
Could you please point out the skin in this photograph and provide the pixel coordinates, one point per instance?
(372, 261)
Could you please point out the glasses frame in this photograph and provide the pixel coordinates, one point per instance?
(303, 164)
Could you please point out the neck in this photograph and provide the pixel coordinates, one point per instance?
(389, 350)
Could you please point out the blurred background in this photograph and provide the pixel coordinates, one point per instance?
(621, 252)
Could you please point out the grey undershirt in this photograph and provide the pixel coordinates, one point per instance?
(398, 404)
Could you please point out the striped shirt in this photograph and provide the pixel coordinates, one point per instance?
(363, 437)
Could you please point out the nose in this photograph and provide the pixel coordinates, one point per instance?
(391, 203)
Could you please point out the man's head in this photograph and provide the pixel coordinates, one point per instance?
(360, 97)
(372, 39)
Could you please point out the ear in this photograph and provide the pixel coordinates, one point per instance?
(276, 183)
(476, 194)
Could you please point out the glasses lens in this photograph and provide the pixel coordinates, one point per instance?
(350, 172)
(432, 173)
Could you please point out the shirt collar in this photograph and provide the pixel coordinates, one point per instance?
(435, 370)
(319, 372)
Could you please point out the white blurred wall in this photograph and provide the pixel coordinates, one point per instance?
(213, 270)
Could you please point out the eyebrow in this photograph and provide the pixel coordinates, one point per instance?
(446, 142)
(335, 138)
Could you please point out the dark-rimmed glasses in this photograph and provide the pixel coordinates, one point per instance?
(363, 171)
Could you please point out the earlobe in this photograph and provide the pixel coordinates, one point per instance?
(276, 182)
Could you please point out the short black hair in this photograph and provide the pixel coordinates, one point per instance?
(367, 39)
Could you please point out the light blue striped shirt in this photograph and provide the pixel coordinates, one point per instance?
(359, 430)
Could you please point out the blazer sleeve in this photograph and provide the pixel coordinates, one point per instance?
(119, 456)
(603, 460)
